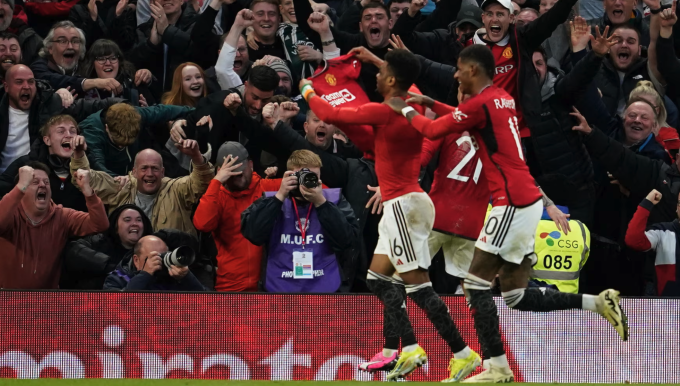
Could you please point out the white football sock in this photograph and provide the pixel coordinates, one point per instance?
(590, 303)
(501, 361)
(388, 352)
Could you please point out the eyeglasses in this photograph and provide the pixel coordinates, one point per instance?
(64, 42)
(104, 59)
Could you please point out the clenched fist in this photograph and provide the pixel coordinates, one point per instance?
(83, 180)
(232, 102)
(654, 196)
(26, 174)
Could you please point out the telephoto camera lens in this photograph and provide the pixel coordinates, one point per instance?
(307, 178)
(183, 256)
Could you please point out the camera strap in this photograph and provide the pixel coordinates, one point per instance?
(303, 231)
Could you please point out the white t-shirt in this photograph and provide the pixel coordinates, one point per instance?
(18, 141)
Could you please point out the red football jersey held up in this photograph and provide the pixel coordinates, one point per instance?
(490, 118)
(460, 191)
(336, 83)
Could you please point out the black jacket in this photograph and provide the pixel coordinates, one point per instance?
(558, 149)
(609, 83)
(88, 261)
(30, 43)
(44, 70)
(63, 192)
(47, 104)
(93, 29)
(176, 37)
(213, 105)
(340, 226)
(436, 79)
(669, 66)
(440, 45)
(205, 43)
(638, 173)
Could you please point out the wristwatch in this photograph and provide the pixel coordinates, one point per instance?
(407, 110)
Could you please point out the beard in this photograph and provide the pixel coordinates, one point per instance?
(4, 23)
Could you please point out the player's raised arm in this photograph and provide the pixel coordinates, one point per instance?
(368, 114)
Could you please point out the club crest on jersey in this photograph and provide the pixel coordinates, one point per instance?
(304, 222)
(459, 115)
(507, 53)
(330, 79)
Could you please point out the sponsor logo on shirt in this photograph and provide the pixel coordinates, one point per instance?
(507, 53)
(504, 69)
(504, 103)
(339, 97)
(330, 79)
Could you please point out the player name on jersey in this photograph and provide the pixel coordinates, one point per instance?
(504, 103)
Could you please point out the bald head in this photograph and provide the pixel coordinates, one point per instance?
(148, 156)
(20, 87)
(146, 248)
(148, 244)
(148, 171)
(18, 70)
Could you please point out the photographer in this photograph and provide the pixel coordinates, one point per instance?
(88, 261)
(146, 270)
(312, 238)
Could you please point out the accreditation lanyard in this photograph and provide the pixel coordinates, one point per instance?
(303, 231)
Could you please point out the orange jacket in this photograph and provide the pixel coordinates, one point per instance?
(219, 212)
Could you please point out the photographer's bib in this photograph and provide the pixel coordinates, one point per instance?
(297, 264)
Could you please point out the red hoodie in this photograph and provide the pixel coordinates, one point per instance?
(219, 212)
(31, 254)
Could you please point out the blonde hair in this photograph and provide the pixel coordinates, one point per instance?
(55, 120)
(646, 88)
(123, 122)
(303, 158)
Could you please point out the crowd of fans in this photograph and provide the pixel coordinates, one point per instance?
(183, 121)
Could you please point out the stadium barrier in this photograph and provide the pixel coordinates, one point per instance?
(310, 337)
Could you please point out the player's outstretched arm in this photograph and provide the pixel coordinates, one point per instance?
(455, 122)
(368, 114)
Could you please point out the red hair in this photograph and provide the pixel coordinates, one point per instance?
(176, 95)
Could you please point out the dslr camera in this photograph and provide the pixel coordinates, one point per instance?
(181, 257)
(306, 178)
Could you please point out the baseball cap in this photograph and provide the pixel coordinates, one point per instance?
(470, 14)
(507, 4)
(233, 149)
